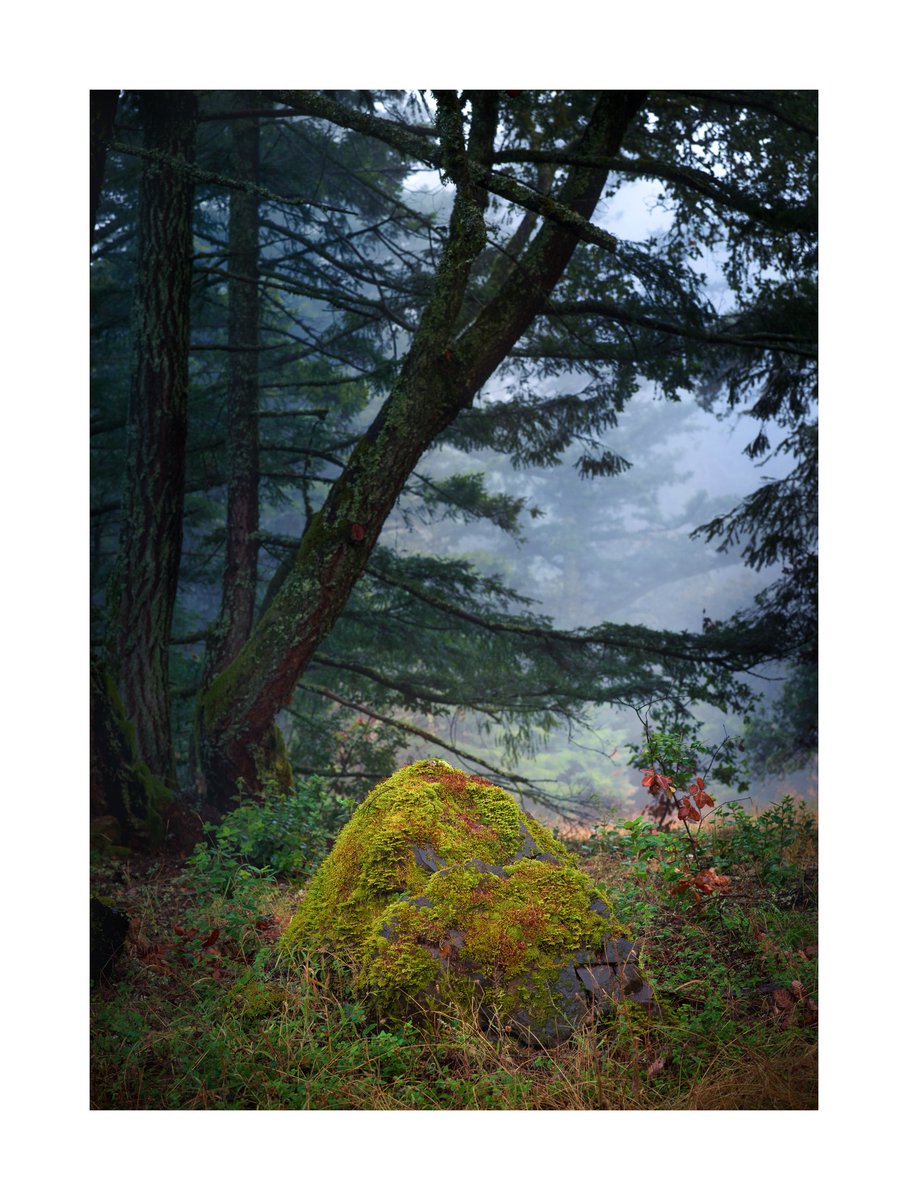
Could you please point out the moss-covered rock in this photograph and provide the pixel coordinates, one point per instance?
(440, 892)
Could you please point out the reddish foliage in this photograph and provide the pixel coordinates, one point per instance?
(658, 782)
(702, 883)
(686, 811)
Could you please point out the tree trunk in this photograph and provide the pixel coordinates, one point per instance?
(103, 114)
(238, 596)
(128, 805)
(152, 512)
(438, 378)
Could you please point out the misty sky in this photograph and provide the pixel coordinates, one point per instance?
(619, 549)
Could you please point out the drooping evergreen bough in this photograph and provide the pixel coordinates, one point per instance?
(269, 377)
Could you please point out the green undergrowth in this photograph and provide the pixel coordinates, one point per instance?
(201, 1010)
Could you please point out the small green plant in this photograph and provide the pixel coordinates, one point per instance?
(260, 841)
(285, 834)
(675, 762)
(766, 842)
(672, 841)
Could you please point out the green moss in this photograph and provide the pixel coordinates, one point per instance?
(429, 805)
(440, 890)
(128, 801)
(272, 763)
(514, 932)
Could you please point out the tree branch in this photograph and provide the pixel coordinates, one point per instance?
(791, 219)
(313, 104)
(784, 343)
(415, 731)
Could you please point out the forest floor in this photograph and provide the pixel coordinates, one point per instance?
(199, 1010)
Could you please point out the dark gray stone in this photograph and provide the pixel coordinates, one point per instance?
(618, 951)
(486, 868)
(528, 849)
(426, 858)
(599, 980)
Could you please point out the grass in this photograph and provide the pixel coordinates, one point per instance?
(200, 1011)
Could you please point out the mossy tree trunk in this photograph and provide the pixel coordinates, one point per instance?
(152, 509)
(128, 803)
(438, 378)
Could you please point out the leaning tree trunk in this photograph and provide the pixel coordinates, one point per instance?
(152, 512)
(438, 378)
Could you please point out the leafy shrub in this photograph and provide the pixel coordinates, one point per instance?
(285, 835)
(766, 841)
(258, 842)
(682, 839)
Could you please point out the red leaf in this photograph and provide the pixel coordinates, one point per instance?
(662, 781)
(357, 532)
(700, 784)
(212, 938)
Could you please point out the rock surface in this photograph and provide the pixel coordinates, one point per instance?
(108, 929)
(441, 894)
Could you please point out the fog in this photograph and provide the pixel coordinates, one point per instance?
(620, 548)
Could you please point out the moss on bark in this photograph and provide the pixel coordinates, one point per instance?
(128, 803)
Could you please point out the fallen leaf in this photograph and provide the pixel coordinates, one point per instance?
(655, 1067)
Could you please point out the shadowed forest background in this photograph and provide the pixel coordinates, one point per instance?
(477, 425)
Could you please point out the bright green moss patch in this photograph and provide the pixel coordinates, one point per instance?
(425, 817)
(440, 889)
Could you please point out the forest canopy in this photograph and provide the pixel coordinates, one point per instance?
(298, 296)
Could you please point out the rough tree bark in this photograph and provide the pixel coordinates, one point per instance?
(103, 114)
(128, 804)
(238, 595)
(152, 510)
(439, 377)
